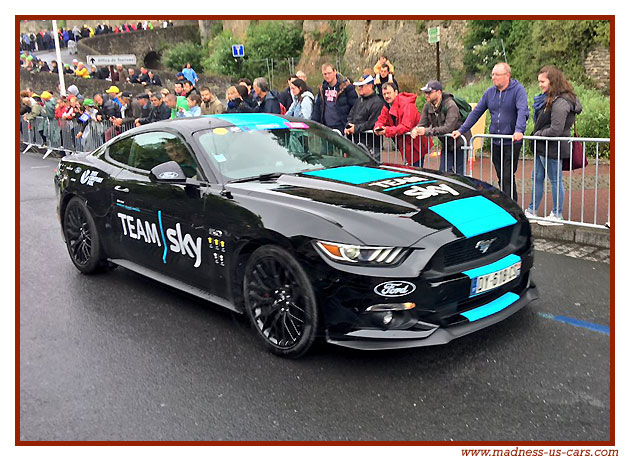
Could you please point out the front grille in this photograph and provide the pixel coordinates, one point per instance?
(464, 251)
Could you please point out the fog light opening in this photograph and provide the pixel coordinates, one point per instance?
(387, 318)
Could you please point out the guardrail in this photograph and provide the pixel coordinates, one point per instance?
(587, 189)
(67, 135)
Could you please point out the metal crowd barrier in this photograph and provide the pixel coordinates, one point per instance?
(585, 199)
(586, 191)
(582, 186)
(67, 135)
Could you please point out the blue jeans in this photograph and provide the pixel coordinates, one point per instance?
(554, 173)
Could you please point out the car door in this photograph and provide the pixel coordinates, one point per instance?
(162, 223)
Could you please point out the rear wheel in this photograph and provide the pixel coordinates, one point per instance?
(82, 239)
(280, 301)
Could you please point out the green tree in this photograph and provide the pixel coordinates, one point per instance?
(275, 40)
(176, 57)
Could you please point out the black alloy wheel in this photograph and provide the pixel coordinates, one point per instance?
(280, 301)
(82, 238)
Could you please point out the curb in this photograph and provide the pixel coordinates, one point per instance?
(572, 233)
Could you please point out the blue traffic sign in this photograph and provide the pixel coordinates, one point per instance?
(238, 51)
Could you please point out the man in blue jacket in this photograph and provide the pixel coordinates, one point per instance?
(507, 103)
(334, 100)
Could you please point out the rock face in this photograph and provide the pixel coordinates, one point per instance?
(404, 42)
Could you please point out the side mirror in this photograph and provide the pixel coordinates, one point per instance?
(168, 172)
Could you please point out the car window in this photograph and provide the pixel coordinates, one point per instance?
(119, 151)
(151, 149)
(239, 153)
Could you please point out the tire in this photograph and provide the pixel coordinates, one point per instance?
(280, 301)
(82, 240)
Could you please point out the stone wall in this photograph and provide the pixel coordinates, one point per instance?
(142, 43)
(87, 86)
(597, 65)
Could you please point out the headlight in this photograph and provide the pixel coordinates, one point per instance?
(361, 254)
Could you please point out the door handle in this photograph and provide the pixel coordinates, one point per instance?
(121, 189)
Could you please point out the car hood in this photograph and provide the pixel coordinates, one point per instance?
(382, 205)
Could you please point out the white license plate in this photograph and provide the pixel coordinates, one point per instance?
(493, 280)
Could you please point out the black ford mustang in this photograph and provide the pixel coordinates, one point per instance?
(300, 229)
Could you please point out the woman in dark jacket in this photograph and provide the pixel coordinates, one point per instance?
(236, 96)
(554, 113)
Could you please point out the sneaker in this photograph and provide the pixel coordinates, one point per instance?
(556, 216)
(529, 214)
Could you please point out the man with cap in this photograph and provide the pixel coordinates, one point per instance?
(113, 93)
(440, 117)
(181, 78)
(145, 105)
(364, 113)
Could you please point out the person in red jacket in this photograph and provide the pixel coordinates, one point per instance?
(396, 121)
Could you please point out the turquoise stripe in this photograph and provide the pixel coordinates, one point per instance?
(252, 120)
(356, 174)
(163, 239)
(474, 215)
(491, 308)
(495, 266)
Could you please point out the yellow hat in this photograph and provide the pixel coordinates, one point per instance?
(112, 89)
(46, 95)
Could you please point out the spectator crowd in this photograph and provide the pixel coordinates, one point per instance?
(366, 110)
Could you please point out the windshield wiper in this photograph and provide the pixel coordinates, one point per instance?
(260, 177)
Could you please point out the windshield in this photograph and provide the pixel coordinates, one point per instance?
(240, 153)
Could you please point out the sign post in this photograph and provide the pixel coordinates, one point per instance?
(434, 37)
(238, 52)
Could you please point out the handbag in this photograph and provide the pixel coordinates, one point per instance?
(578, 158)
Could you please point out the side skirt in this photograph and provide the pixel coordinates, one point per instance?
(183, 286)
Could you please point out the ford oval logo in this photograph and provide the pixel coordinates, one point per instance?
(169, 175)
(394, 288)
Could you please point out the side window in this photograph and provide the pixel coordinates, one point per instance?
(119, 151)
(150, 149)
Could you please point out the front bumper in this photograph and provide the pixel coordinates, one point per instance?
(429, 334)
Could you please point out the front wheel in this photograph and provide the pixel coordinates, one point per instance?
(280, 301)
(82, 239)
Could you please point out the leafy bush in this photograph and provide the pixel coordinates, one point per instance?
(176, 57)
(219, 52)
(265, 40)
(529, 45)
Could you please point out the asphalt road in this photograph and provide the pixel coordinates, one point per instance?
(119, 357)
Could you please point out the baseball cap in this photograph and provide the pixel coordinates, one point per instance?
(142, 95)
(46, 95)
(127, 94)
(364, 80)
(88, 102)
(180, 74)
(112, 89)
(432, 86)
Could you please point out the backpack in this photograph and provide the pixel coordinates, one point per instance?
(462, 105)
